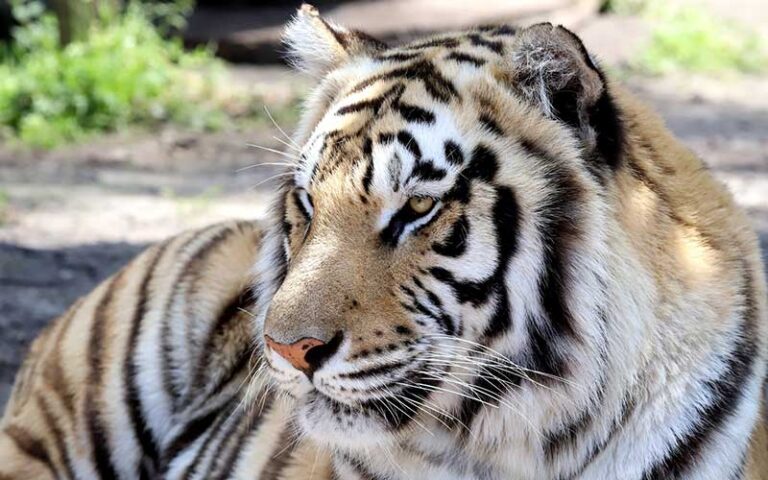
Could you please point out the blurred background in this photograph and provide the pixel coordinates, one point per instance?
(123, 122)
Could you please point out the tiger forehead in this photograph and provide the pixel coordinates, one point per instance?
(403, 99)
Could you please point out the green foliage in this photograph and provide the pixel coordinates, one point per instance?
(623, 7)
(685, 37)
(4, 202)
(125, 72)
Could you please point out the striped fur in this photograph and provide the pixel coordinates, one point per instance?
(579, 299)
(154, 374)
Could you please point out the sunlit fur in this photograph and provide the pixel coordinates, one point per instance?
(583, 301)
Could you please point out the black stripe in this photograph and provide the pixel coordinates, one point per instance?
(498, 30)
(30, 446)
(456, 243)
(191, 432)
(374, 104)
(559, 232)
(386, 138)
(360, 468)
(193, 467)
(453, 153)
(617, 426)
(476, 293)
(462, 57)
(192, 268)
(494, 382)
(490, 124)
(495, 46)
(235, 450)
(368, 156)
(410, 143)
(226, 415)
(482, 164)
(97, 431)
(229, 313)
(398, 56)
(300, 205)
(406, 398)
(449, 42)
(280, 456)
(727, 394)
(58, 436)
(373, 371)
(434, 82)
(53, 372)
(425, 170)
(131, 397)
(412, 113)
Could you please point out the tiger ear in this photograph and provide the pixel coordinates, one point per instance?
(317, 46)
(552, 69)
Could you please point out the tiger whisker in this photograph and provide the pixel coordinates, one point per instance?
(493, 395)
(433, 388)
(274, 122)
(471, 364)
(264, 164)
(289, 145)
(273, 150)
(504, 359)
(279, 175)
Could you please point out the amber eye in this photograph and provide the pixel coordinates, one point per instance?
(421, 205)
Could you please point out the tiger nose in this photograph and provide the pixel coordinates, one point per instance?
(306, 354)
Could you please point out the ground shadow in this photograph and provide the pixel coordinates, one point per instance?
(36, 285)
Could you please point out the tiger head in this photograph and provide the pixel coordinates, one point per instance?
(440, 217)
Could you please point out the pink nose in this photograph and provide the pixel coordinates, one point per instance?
(296, 352)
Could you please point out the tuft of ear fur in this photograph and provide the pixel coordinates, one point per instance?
(552, 69)
(316, 46)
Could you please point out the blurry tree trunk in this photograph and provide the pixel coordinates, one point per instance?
(75, 17)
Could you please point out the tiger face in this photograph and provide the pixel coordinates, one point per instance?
(423, 226)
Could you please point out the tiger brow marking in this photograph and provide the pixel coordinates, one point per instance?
(412, 113)
(374, 104)
(410, 143)
(453, 153)
(425, 170)
(434, 82)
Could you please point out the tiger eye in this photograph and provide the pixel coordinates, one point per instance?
(421, 205)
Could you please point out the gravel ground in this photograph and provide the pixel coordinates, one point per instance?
(77, 214)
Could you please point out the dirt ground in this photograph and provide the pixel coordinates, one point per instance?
(73, 216)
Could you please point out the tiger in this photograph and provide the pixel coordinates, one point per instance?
(487, 261)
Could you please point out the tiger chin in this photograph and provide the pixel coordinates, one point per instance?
(488, 262)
